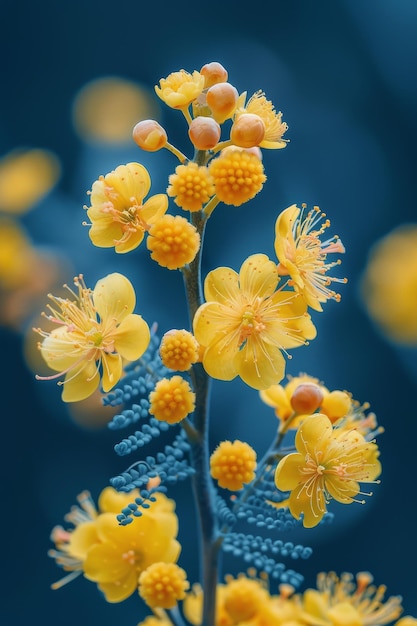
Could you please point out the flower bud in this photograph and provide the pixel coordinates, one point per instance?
(149, 135)
(222, 99)
(213, 73)
(247, 131)
(204, 132)
(336, 404)
(306, 398)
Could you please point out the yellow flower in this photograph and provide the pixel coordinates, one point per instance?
(171, 400)
(341, 602)
(179, 89)
(179, 350)
(389, 285)
(238, 175)
(274, 126)
(191, 186)
(162, 585)
(280, 397)
(96, 329)
(303, 255)
(328, 464)
(246, 323)
(233, 464)
(173, 242)
(119, 216)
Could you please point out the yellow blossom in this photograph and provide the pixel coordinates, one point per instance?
(233, 464)
(329, 463)
(274, 126)
(341, 602)
(95, 330)
(246, 323)
(389, 285)
(191, 186)
(171, 400)
(149, 135)
(222, 99)
(213, 73)
(119, 216)
(179, 350)
(173, 242)
(162, 585)
(238, 175)
(180, 88)
(303, 256)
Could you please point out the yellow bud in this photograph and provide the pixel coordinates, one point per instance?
(222, 100)
(336, 404)
(213, 73)
(247, 131)
(204, 132)
(306, 398)
(149, 135)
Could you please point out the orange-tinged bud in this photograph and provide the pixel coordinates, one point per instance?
(149, 135)
(222, 99)
(213, 73)
(247, 131)
(204, 132)
(306, 398)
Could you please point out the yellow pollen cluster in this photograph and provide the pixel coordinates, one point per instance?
(243, 598)
(161, 585)
(191, 186)
(171, 400)
(173, 241)
(233, 464)
(238, 175)
(179, 350)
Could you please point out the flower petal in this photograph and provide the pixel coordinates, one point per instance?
(82, 384)
(222, 285)
(314, 434)
(284, 239)
(121, 589)
(132, 337)
(82, 538)
(114, 297)
(104, 233)
(258, 277)
(287, 474)
(154, 208)
(312, 506)
(260, 364)
(112, 370)
(129, 181)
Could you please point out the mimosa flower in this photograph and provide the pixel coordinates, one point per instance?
(119, 216)
(303, 256)
(328, 464)
(173, 242)
(233, 464)
(246, 323)
(179, 350)
(171, 400)
(96, 330)
(179, 89)
(274, 126)
(238, 175)
(161, 585)
(191, 186)
(340, 601)
(244, 597)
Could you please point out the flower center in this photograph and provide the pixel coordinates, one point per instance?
(250, 323)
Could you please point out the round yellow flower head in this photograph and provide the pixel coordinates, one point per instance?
(119, 216)
(247, 131)
(204, 132)
(407, 620)
(149, 135)
(213, 73)
(179, 350)
(222, 99)
(274, 126)
(329, 463)
(389, 285)
(303, 256)
(179, 89)
(191, 186)
(244, 597)
(96, 330)
(152, 620)
(161, 585)
(233, 464)
(173, 242)
(238, 175)
(171, 400)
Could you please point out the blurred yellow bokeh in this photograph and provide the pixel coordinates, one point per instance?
(26, 176)
(389, 285)
(106, 109)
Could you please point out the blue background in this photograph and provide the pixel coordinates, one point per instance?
(343, 72)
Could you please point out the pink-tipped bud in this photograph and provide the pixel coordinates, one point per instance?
(204, 133)
(149, 135)
(247, 131)
(306, 398)
(213, 73)
(222, 100)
